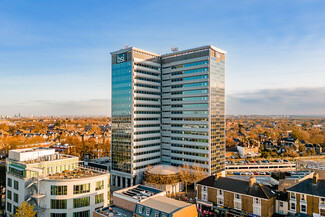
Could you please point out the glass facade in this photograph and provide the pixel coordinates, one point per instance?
(217, 113)
(58, 190)
(178, 102)
(81, 202)
(58, 204)
(121, 116)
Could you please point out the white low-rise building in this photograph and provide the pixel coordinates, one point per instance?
(55, 184)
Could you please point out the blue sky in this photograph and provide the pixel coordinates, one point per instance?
(55, 54)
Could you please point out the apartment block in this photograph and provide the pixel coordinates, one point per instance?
(167, 109)
(55, 184)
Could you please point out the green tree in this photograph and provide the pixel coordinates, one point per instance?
(25, 210)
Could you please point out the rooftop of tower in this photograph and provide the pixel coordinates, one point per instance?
(177, 53)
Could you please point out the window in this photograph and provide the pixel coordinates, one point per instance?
(303, 208)
(293, 206)
(147, 211)
(281, 204)
(204, 188)
(220, 201)
(257, 200)
(15, 209)
(220, 192)
(156, 214)
(204, 196)
(257, 210)
(58, 215)
(99, 185)
(16, 197)
(99, 198)
(9, 194)
(322, 200)
(58, 204)
(16, 185)
(322, 212)
(140, 209)
(237, 196)
(303, 197)
(82, 214)
(237, 205)
(79, 189)
(9, 182)
(58, 190)
(292, 195)
(9, 207)
(81, 202)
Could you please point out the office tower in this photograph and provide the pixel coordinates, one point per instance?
(167, 109)
(55, 184)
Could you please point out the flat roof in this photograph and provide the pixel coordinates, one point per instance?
(138, 192)
(26, 150)
(78, 173)
(164, 204)
(177, 53)
(170, 54)
(116, 211)
(134, 48)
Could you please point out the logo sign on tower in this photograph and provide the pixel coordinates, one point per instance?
(121, 58)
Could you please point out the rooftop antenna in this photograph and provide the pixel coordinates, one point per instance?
(174, 49)
(126, 46)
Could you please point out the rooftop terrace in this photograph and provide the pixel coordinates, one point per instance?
(79, 173)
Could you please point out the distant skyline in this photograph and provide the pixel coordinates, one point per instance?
(55, 55)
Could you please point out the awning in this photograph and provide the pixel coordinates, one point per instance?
(205, 203)
(235, 212)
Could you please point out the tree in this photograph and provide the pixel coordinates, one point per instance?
(197, 173)
(185, 175)
(25, 210)
(230, 142)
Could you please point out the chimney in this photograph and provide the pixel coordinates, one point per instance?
(315, 178)
(252, 181)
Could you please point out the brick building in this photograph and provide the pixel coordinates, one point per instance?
(308, 197)
(233, 197)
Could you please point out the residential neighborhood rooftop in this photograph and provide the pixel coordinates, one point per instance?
(308, 187)
(238, 186)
